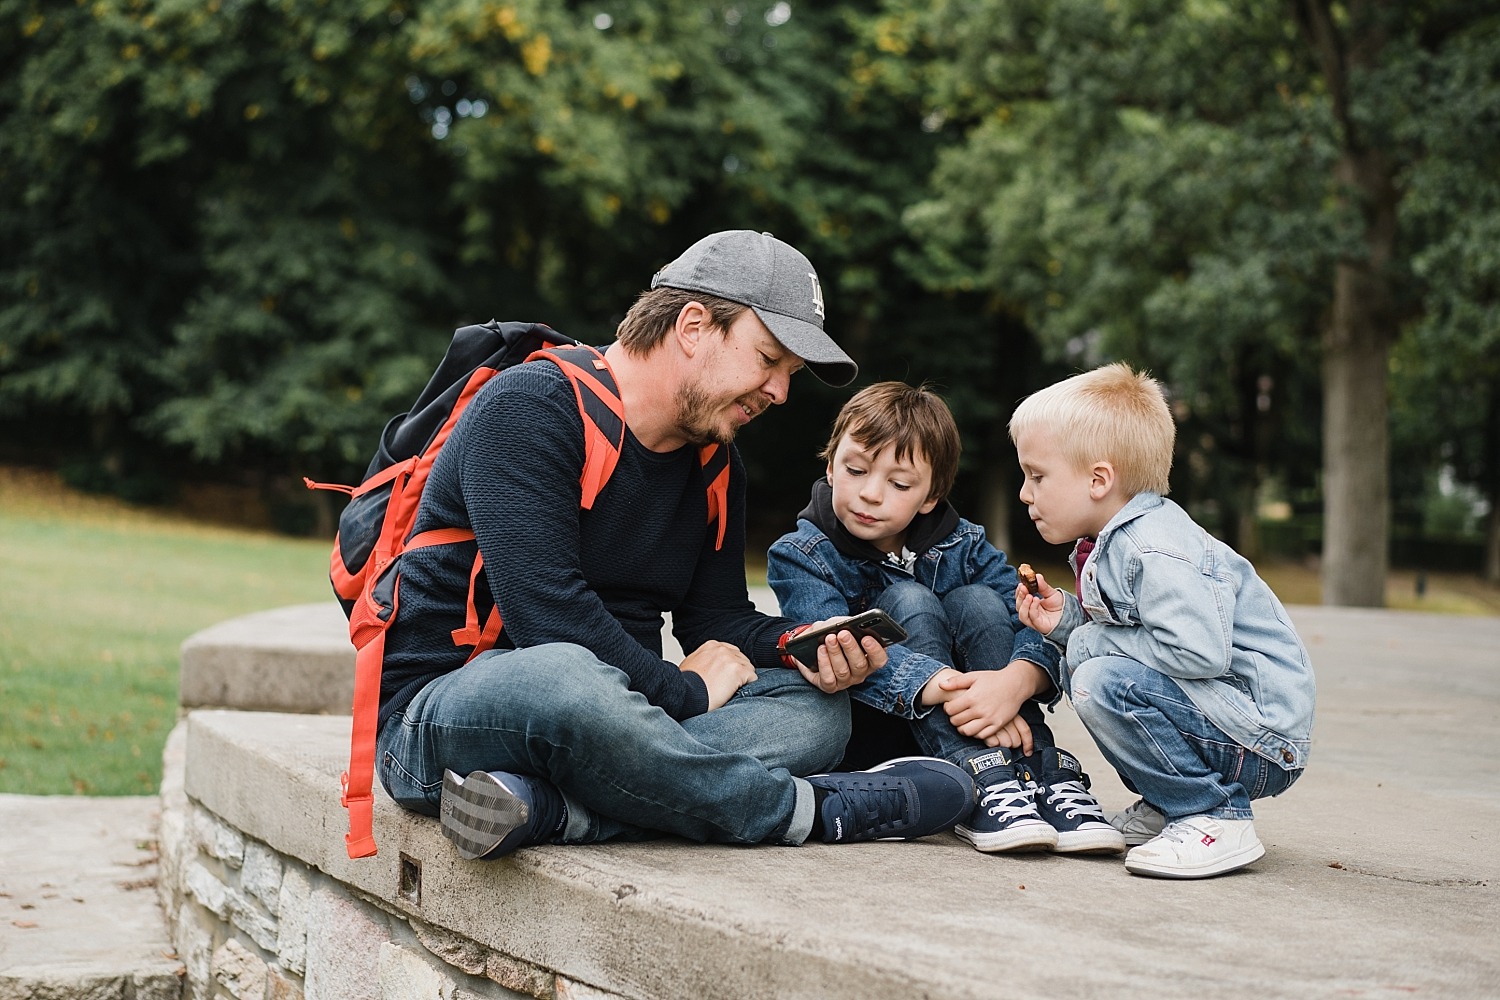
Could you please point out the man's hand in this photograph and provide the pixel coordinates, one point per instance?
(842, 660)
(983, 704)
(1042, 610)
(723, 667)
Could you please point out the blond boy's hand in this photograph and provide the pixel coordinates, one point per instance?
(1042, 610)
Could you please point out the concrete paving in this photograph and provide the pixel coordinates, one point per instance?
(1381, 879)
(79, 915)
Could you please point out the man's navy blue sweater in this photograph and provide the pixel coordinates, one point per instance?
(600, 578)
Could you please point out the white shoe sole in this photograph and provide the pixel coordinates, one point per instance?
(1028, 837)
(1218, 866)
(1090, 842)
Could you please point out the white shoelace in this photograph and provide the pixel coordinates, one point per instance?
(1073, 800)
(1007, 798)
(1193, 828)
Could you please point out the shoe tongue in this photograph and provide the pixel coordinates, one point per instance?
(1059, 765)
(993, 765)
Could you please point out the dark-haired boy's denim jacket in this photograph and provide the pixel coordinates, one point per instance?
(814, 580)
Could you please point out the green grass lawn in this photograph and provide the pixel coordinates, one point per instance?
(97, 598)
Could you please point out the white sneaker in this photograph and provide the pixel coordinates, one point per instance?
(1197, 847)
(1139, 823)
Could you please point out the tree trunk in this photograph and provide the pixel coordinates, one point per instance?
(1356, 360)
(1356, 464)
(1364, 323)
(1492, 543)
(1490, 483)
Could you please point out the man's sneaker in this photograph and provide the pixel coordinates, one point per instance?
(1139, 823)
(489, 814)
(1197, 847)
(1006, 817)
(1065, 802)
(902, 799)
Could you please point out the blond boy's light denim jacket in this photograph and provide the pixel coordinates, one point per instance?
(1165, 593)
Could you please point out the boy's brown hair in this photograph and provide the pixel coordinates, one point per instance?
(913, 420)
(1112, 414)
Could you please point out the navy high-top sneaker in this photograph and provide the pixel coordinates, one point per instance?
(1065, 802)
(1006, 816)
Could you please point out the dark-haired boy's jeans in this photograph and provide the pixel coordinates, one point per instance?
(624, 766)
(1163, 746)
(969, 628)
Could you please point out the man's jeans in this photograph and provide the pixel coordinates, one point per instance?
(624, 766)
(969, 628)
(1163, 746)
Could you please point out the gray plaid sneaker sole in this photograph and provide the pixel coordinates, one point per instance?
(478, 812)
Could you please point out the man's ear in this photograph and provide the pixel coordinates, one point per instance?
(1101, 480)
(693, 322)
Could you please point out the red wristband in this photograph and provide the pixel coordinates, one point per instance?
(788, 660)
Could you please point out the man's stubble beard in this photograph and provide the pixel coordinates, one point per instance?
(696, 418)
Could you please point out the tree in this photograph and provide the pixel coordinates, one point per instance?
(1447, 370)
(302, 201)
(1211, 190)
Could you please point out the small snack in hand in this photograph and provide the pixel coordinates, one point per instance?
(1028, 578)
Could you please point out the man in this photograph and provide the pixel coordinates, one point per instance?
(574, 729)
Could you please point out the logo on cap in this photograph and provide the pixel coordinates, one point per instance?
(817, 295)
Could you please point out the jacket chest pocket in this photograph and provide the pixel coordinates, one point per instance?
(1101, 609)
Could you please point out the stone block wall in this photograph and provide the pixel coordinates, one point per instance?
(250, 923)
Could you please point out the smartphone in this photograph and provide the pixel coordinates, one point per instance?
(873, 622)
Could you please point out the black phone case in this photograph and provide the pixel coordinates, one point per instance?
(874, 622)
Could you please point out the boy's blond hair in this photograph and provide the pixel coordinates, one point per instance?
(1111, 414)
(914, 420)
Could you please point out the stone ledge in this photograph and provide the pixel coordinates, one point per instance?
(665, 919)
(292, 659)
(1380, 877)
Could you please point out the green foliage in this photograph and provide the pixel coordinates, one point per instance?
(245, 232)
(234, 237)
(1162, 183)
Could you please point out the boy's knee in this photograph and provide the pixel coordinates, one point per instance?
(1096, 684)
(907, 598)
(975, 593)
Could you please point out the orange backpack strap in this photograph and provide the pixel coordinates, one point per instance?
(602, 410)
(715, 459)
(603, 414)
(368, 622)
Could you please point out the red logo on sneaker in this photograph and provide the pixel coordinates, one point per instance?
(1208, 841)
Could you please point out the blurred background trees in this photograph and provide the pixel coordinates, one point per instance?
(235, 236)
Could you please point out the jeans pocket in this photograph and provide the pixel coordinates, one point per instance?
(404, 786)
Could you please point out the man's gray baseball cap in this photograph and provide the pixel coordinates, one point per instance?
(774, 279)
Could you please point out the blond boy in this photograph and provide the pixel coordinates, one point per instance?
(1177, 657)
